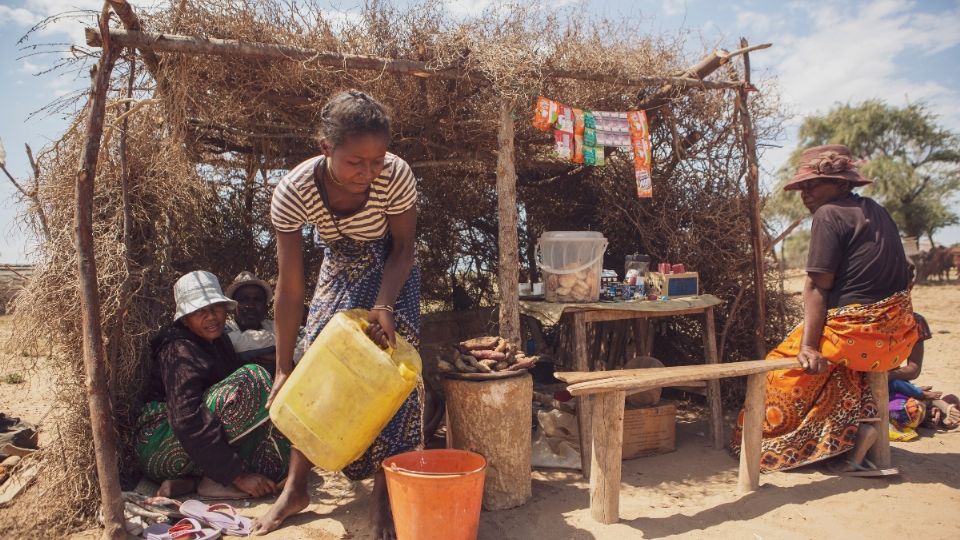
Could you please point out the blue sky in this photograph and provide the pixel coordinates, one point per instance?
(824, 52)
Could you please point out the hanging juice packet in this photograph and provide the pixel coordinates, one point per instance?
(642, 152)
(637, 122)
(644, 184)
(578, 148)
(563, 144)
(589, 121)
(590, 155)
(593, 156)
(599, 159)
(578, 128)
(542, 113)
(589, 137)
(564, 118)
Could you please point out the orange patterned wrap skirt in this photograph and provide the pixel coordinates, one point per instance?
(813, 417)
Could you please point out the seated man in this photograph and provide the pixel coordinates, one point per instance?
(254, 335)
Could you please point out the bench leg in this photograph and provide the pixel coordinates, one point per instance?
(607, 457)
(879, 454)
(753, 416)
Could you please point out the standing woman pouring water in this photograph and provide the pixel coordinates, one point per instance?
(362, 201)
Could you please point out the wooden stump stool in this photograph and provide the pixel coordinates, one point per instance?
(493, 418)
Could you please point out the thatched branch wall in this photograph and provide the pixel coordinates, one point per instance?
(216, 134)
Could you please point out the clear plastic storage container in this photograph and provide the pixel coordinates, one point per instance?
(571, 262)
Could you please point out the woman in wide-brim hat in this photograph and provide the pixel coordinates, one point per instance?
(205, 425)
(858, 317)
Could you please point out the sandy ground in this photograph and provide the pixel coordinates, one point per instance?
(690, 493)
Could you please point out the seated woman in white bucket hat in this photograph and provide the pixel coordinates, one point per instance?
(205, 425)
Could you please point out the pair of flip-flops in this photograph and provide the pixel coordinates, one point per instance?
(847, 467)
(203, 522)
(185, 529)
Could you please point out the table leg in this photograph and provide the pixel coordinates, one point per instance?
(753, 415)
(582, 363)
(607, 455)
(879, 454)
(713, 386)
(642, 336)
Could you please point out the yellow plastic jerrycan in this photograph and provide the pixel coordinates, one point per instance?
(344, 392)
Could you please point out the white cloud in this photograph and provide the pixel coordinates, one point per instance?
(850, 55)
(32, 12)
(17, 16)
(756, 23)
(467, 8)
(29, 67)
(673, 7)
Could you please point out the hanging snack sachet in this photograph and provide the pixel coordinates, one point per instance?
(642, 152)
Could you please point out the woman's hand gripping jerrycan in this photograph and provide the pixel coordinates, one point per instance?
(344, 392)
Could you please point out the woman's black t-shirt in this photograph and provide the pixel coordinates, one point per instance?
(856, 239)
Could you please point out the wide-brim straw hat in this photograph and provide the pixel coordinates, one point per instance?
(197, 290)
(832, 161)
(249, 278)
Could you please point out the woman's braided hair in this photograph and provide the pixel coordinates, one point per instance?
(353, 113)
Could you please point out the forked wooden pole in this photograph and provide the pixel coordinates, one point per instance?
(606, 411)
(101, 410)
(756, 223)
(753, 415)
(509, 261)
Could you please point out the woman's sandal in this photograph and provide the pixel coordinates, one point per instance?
(867, 468)
(947, 409)
(220, 516)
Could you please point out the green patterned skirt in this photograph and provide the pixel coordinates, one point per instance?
(239, 401)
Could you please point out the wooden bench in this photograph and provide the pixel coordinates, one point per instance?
(604, 394)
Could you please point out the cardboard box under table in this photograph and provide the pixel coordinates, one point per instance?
(649, 430)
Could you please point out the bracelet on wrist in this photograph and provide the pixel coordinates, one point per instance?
(382, 307)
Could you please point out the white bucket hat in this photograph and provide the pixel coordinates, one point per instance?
(197, 290)
(249, 278)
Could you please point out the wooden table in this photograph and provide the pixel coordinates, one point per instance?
(641, 313)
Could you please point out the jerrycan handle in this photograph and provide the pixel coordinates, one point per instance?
(364, 324)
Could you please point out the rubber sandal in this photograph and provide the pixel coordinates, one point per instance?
(866, 469)
(945, 407)
(220, 516)
(185, 529)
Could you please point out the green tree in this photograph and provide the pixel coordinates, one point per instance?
(914, 162)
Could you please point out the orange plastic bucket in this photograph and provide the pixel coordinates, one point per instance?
(435, 493)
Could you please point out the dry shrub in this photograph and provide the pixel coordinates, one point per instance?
(205, 153)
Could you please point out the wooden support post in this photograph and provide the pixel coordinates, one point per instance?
(756, 223)
(607, 455)
(713, 385)
(509, 262)
(879, 454)
(581, 363)
(753, 416)
(101, 411)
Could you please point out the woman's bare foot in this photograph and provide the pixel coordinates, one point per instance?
(291, 501)
(212, 489)
(380, 515)
(177, 487)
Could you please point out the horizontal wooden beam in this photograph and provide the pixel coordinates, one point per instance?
(585, 383)
(151, 41)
